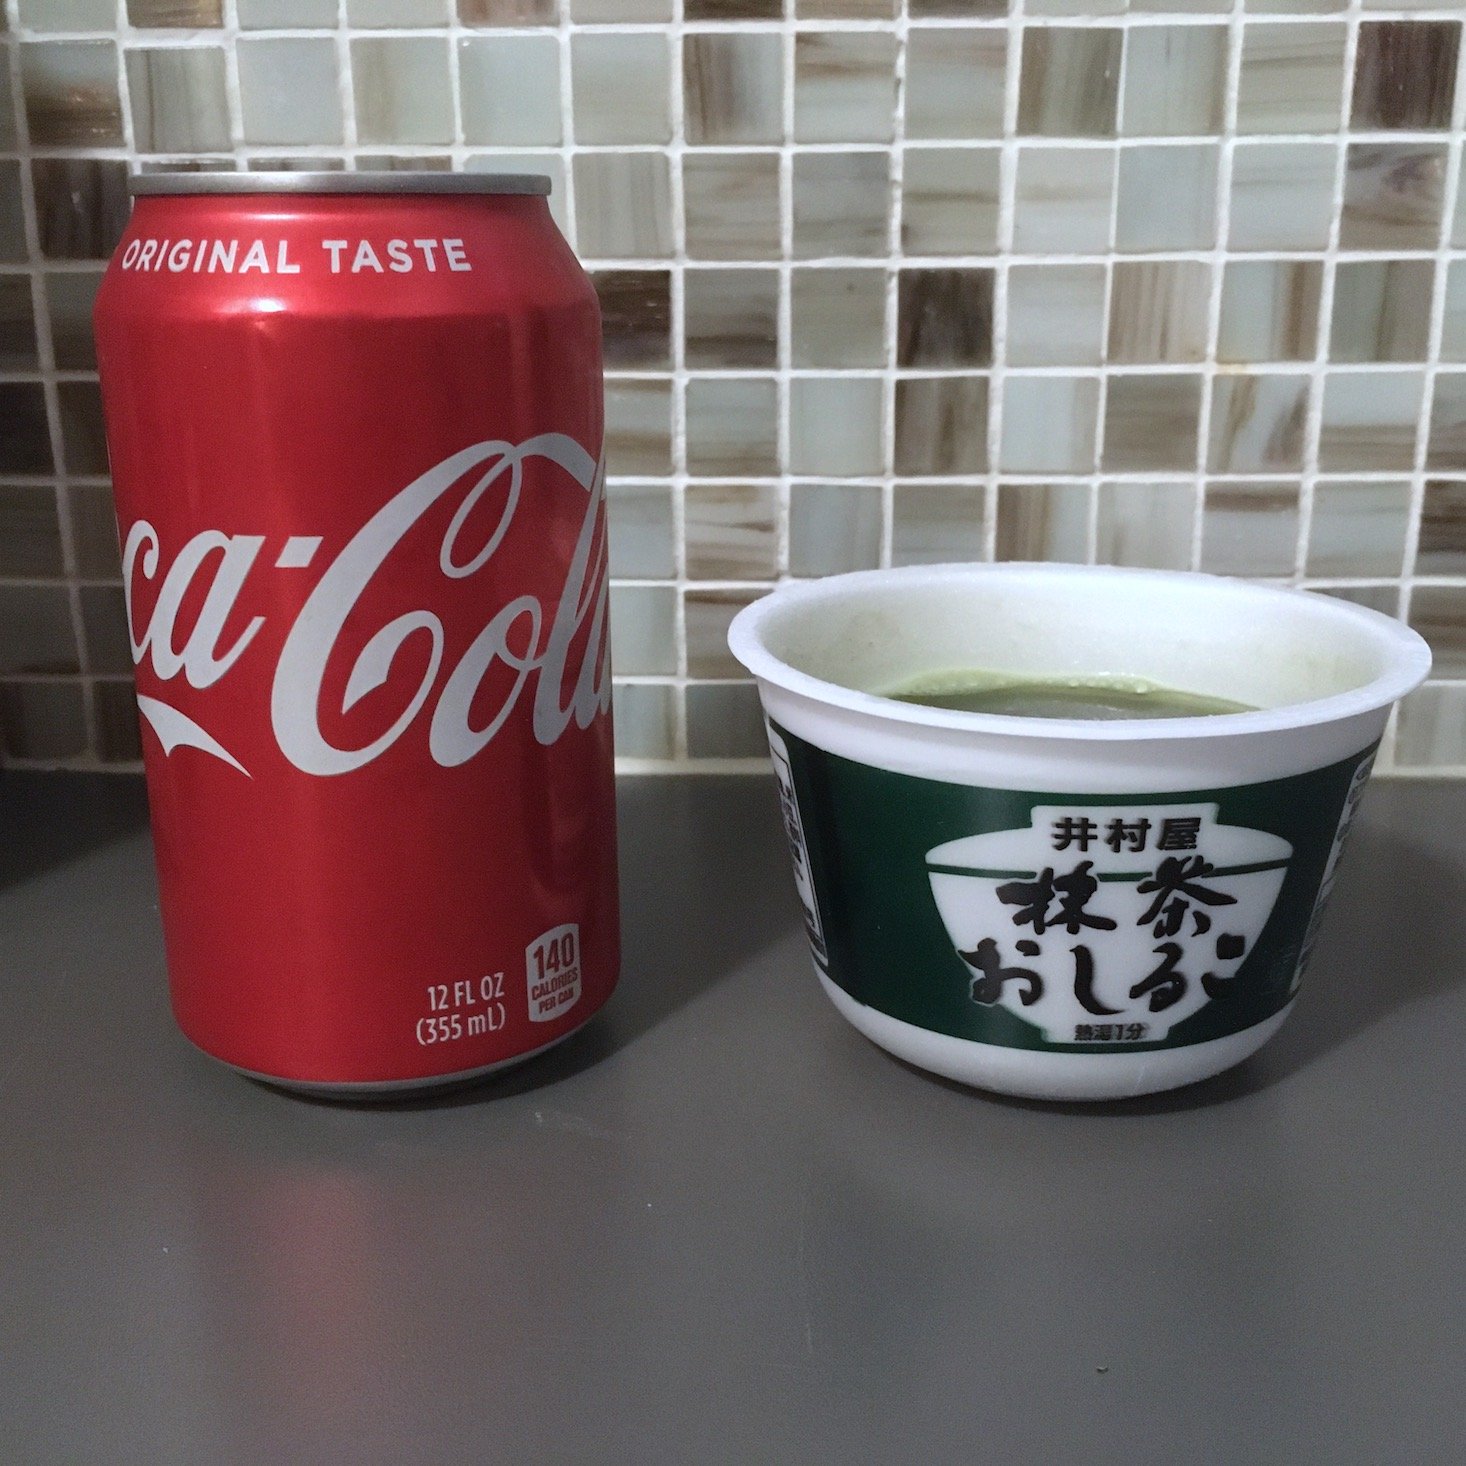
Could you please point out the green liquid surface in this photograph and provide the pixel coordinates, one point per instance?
(1098, 698)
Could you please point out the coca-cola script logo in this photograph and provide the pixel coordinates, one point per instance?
(544, 657)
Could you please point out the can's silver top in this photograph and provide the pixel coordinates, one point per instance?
(287, 182)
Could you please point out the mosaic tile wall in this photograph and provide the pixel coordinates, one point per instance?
(1160, 284)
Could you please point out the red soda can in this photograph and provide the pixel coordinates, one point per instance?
(355, 424)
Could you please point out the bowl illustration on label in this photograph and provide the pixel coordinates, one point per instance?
(1107, 923)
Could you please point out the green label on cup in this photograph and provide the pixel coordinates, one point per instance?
(1062, 922)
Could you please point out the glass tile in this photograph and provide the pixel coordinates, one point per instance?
(732, 531)
(933, 524)
(1070, 81)
(623, 206)
(178, 99)
(733, 87)
(1257, 422)
(833, 528)
(835, 425)
(1056, 315)
(949, 201)
(731, 202)
(1147, 525)
(941, 425)
(403, 94)
(844, 86)
(622, 87)
(841, 203)
(1249, 529)
(1151, 422)
(732, 426)
(1043, 522)
(731, 317)
(510, 89)
(838, 317)
(1175, 81)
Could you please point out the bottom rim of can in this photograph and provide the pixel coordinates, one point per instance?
(387, 1090)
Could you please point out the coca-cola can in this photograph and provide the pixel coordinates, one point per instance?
(355, 424)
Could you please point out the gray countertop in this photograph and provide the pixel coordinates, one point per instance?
(718, 1225)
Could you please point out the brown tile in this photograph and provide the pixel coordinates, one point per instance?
(83, 437)
(38, 630)
(17, 325)
(731, 202)
(845, 9)
(1158, 311)
(12, 223)
(955, 9)
(1043, 522)
(841, 204)
(71, 297)
(1405, 73)
(1070, 81)
(732, 531)
(1257, 422)
(42, 720)
(932, 524)
(1438, 613)
(25, 439)
(709, 613)
(508, 12)
(186, 14)
(70, 91)
(81, 206)
(636, 316)
(30, 531)
(945, 318)
(119, 735)
(941, 425)
(94, 532)
(734, 9)
(1442, 548)
(733, 87)
(104, 623)
(1381, 310)
(1151, 422)
(1269, 310)
(731, 317)
(1392, 196)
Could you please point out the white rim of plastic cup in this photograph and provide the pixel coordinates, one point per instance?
(1405, 652)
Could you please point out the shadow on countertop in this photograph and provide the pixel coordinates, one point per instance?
(52, 819)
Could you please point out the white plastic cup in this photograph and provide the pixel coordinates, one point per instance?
(1062, 908)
